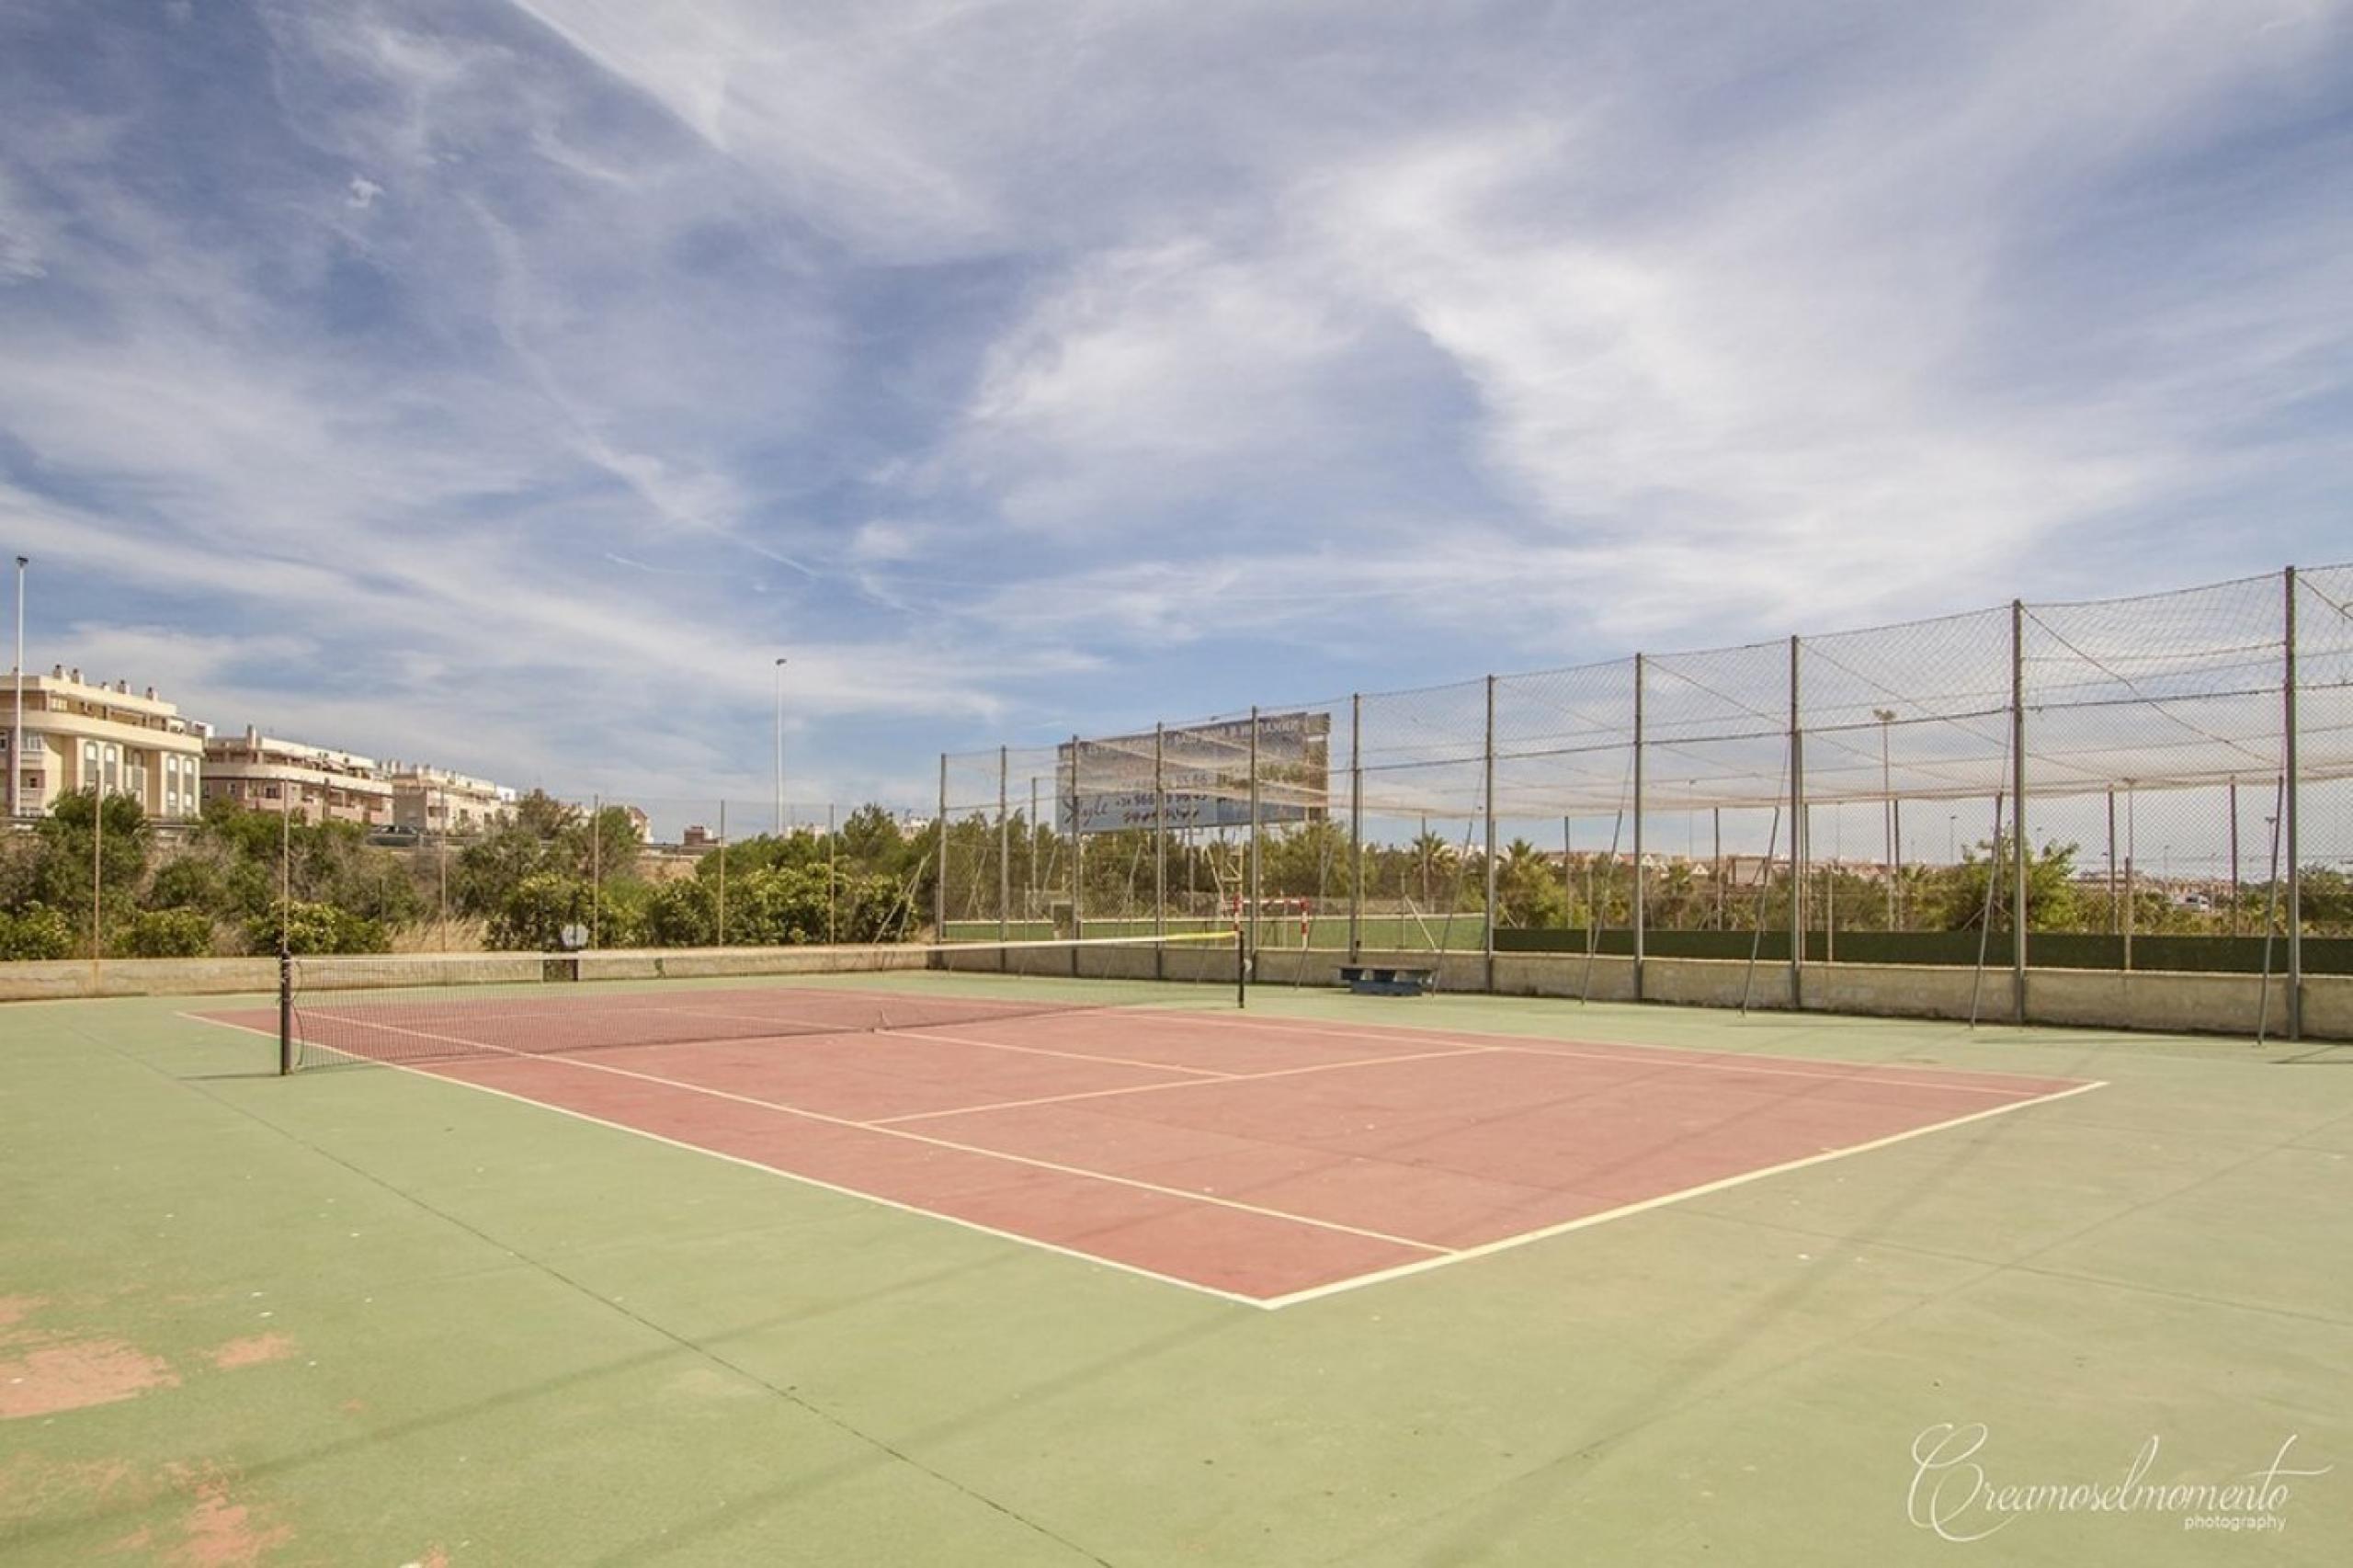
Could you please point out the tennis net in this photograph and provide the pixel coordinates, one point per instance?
(423, 1008)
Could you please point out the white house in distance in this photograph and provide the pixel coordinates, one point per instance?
(309, 783)
(77, 731)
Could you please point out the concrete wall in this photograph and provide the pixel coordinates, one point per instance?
(46, 978)
(2172, 1003)
(215, 976)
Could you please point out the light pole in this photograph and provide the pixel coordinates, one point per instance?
(1886, 716)
(779, 749)
(17, 735)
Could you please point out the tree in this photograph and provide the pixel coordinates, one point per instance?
(62, 870)
(1527, 887)
(1954, 899)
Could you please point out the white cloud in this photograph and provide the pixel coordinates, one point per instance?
(969, 350)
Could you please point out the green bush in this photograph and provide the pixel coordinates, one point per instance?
(165, 934)
(681, 914)
(35, 931)
(534, 911)
(316, 928)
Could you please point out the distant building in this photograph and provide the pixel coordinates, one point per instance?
(435, 800)
(309, 783)
(77, 732)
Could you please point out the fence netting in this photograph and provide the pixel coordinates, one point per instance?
(1859, 789)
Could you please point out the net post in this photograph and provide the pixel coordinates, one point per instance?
(2018, 811)
(1250, 881)
(1797, 839)
(2291, 790)
(1356, 827)
(1487, 809)
(1642, 878)
(284, 1010)
(1160, 847)
(939, 884)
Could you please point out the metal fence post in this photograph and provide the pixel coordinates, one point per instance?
(1077, 859)
(1356, 827)
(1250, 879)
(723, 873)
(1797, 839)
(1641, 879)
(99, 881)
(939, 886)
(596, 868)
(1003, 855)
(1488, 808)
(2288, 813)
(2018, 912)
(1160, 847)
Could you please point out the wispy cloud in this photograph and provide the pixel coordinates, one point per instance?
(497, 384)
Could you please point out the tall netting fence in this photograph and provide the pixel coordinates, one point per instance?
(2163, 781)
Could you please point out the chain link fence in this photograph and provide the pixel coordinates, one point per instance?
(2161, 783)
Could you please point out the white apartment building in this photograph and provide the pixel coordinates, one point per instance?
(77, 732)
(435, 800)
(309, 783)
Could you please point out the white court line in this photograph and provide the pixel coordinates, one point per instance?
(1670, 1056)
(780, 1171)
(808, 1115)
(1444, 1257)
(1026, 1051)
(1505, 1243)
(1180, 1083)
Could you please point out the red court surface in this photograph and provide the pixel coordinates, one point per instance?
(1270, 1161)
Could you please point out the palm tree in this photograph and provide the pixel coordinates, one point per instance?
(1431, 849)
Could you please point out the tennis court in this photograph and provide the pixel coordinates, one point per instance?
(1163, 1129)
(943, 1265)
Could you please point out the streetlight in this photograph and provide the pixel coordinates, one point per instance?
(779, 748)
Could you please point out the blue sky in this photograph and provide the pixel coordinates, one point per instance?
(506, 385)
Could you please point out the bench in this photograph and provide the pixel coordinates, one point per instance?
(1387, 979)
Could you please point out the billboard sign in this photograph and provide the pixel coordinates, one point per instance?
(1205, 769)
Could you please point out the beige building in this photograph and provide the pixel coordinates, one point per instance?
(435, 800)
(309, 783)
(77, 732)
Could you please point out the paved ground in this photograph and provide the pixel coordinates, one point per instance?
(365, 1316)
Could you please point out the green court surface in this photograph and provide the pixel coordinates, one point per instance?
(365, 1316)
